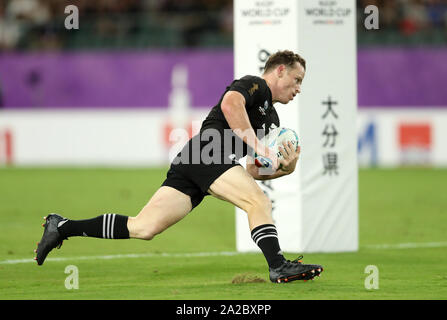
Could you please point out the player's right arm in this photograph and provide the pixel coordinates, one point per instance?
(234, 111)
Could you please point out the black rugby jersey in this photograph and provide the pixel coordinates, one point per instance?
(258, 103)
(229, 148)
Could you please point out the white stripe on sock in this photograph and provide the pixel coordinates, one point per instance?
(112, 226)
(108, 225)
(255, 239)
(266, 236)
(260, 230)
(104, 218)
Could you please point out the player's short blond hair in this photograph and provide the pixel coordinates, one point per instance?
(286, 57)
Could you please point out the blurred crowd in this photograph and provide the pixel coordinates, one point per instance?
(39, 24)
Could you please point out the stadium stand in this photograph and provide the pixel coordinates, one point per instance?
(117, 24)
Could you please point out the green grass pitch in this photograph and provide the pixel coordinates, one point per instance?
(404, 210)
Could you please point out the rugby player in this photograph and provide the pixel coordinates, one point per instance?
(208, 165)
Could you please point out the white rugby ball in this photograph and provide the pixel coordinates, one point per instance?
(274, 140)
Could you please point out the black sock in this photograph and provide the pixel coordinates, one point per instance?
(266, 237)
(108, 226)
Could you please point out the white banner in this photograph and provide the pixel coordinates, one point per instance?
(390, 137)
(386, 137)
(316, 208)
(92, 138)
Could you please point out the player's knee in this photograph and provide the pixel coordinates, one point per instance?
(259, 203)
(146, 231)
(146, 235)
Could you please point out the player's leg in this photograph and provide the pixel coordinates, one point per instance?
(239, 188)
(166, 207)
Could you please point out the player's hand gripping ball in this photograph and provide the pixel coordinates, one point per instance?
(274, 140)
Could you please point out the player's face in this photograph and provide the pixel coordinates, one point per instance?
(289, 83)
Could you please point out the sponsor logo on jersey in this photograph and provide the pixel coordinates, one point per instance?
(263, 109)
(252, 90)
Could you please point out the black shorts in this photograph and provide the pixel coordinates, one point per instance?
(194, 179)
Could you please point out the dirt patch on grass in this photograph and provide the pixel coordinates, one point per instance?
(247, 278)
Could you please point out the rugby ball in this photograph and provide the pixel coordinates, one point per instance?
(274, 140)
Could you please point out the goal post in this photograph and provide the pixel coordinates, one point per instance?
(315, 209)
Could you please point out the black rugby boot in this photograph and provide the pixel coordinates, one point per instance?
(294, 270)
(51, 237)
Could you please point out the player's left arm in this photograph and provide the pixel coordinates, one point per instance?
(287, 165)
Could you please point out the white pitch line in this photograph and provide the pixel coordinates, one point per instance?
(131, 255)
(411, 245)
(414, 245)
